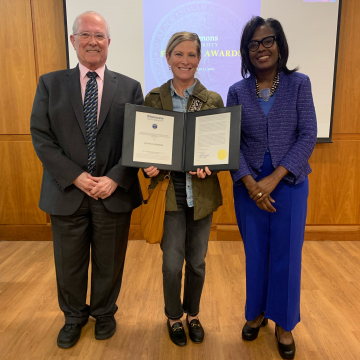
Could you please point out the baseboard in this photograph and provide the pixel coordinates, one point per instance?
(332, 232)
(218, 233)
(312, 232)
(25, 233)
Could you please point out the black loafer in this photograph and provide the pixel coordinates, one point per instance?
(285, 351)
(69, 335)
(196, 331)
(177, 333)
(249, 333)
(105, 327)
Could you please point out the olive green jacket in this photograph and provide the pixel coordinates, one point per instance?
(206, 192)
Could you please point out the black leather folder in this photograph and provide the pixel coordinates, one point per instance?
(183, 138)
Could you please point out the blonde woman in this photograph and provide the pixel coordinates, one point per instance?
(191, 197)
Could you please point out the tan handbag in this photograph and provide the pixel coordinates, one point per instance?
(153, 212)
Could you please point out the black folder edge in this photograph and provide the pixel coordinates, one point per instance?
(181, 159)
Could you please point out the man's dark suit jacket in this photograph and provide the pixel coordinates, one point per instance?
(59, 137)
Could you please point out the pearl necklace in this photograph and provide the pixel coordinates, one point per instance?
(273, 89)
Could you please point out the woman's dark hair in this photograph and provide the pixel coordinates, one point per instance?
(248, 32)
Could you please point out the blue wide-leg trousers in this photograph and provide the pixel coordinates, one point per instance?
(273, 245)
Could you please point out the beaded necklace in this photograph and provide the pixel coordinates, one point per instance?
(265, 93)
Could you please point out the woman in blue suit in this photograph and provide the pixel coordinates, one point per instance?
(271, 187)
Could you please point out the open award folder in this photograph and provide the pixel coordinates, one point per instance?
(176, 141)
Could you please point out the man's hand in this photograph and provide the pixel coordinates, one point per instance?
(104, 187)
(85, 184)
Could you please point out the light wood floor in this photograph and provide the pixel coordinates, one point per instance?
(31, 319)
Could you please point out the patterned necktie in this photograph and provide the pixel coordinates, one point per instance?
(90, 115)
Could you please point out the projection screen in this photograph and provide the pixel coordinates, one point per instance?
(140, 30)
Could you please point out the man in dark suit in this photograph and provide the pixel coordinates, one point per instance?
(77, 128)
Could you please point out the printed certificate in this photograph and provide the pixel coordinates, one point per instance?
(212, 139)
(153, 138)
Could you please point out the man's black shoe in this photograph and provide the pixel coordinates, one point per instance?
(69, 335)
(196, 331)
(105, 327)
(177, 333)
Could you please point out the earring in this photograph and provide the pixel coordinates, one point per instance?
(279, 56)
(169, 67)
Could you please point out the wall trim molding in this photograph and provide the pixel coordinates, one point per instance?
(17, 137)
(25, 233)
(218, 233)
(345, 137)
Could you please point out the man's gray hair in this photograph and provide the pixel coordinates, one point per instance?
(76, 22)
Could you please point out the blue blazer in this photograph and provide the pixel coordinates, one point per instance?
(292, 127)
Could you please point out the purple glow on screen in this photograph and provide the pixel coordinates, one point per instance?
(218, 24)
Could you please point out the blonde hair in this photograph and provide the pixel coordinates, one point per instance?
(181, 36)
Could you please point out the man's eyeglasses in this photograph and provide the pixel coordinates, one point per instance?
(87, 36)
(267, 42)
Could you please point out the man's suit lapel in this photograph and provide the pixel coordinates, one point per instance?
(110, 85)
(72, 80)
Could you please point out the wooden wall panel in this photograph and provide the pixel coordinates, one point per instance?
(226, 212)
(347, 104)
(49, 35)
(20, 174)
(334, 192)
(18, 77)
(348, 191)
(322, 187)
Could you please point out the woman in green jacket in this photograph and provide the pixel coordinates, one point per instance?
(191, 198)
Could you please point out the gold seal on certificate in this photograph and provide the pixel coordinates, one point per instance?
(222, 154)
(177, 141)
